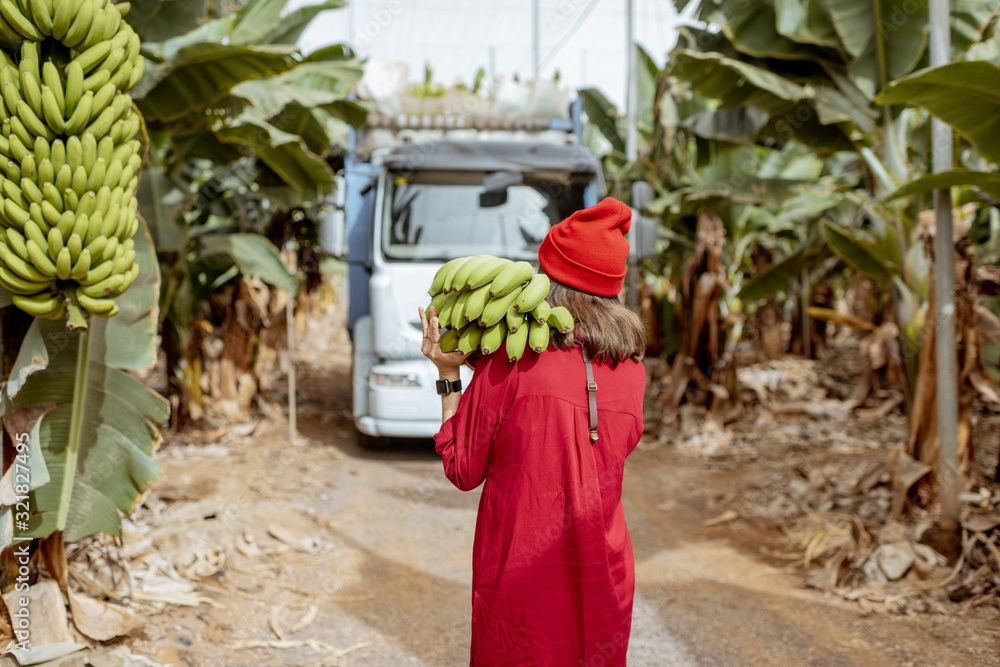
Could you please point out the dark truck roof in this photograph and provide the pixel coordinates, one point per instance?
(491, 156)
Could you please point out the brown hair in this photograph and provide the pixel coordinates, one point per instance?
(608, 330)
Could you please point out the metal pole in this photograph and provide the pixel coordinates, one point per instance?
(944, 289)
(632, 94)
(350, 22)
(293, 429)
(534, 38)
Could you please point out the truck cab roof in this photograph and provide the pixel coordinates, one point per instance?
(487, 156)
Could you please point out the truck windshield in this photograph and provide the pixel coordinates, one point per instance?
(437, 215)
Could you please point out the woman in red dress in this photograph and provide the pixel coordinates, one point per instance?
(553, 571)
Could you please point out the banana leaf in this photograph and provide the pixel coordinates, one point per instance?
(884, 180)
(128, 340)
(735, 83)
(285, 153)
(333, 76)
(310, 84)
(707, 39)
(114, 465)
(806, 22)
(352, 113)
(733, 125)
(266, 22)
(988, 50)
(203, 74)
(778, 277)
(988, 182)
(885, 38)
(259, 22)
(335, 53)
(752, 27)
(161, 203)
(601, 113)
(307, 123)
(969, 19)
(199, 143)
(647, 73)
(32, 357)
(917, 271)
(966, 95)
(793, 161)
(208, 32)
(859, 249)
(254, 255)
(833, 106)
(160, 20)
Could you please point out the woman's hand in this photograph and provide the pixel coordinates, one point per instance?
(448, 363)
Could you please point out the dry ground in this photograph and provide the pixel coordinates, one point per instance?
(320, 553)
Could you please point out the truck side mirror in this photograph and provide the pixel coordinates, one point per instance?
(641, 238)
(333, 223)
(642, 235)
(332, 230)
(642, 195)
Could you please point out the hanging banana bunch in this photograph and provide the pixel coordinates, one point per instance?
(69, 157)
(490, 302)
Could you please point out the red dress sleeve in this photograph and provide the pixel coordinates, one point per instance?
(464, 440)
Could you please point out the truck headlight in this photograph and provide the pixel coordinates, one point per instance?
(395, 380)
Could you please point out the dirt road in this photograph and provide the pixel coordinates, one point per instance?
(331, 555)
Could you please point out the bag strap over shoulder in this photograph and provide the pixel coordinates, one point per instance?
(591, 396)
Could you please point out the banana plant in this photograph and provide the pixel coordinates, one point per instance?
(831, 74)
(719, 197)
(72, 476)
(856, 49)
(966, 95)
(962, 94)
(245, 131)
(237, 86)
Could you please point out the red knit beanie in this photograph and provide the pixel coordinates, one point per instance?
(588, 249)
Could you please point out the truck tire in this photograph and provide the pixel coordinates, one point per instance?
(373, 443)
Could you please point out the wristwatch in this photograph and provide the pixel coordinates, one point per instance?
(445, 387)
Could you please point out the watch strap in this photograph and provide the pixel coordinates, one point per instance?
(445, 387)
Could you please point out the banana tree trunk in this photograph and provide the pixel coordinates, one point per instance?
(703, 284)
(703, 371)
(763, 325)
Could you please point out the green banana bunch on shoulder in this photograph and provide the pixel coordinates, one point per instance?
(491, 303)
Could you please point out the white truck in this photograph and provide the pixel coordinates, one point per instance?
(419, 191)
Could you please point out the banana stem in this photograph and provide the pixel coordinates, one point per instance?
(75, 427)
(76, 320)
